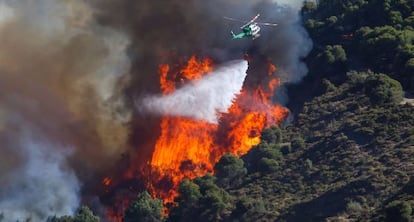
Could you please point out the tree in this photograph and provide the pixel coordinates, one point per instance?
(229, 170)
(409, 73)
(333, 54)
(215, 203)
(84, 214)
(383, 89)
(201, 200)
(263, 150)
(308, 7)
(298, 143)
(267, 165)
(272, 135)
(328, 86)
(144, 208)
(249, 209)
(188, 202)
(378, 46)
(189, 192)
(398, 211)
(60, 219)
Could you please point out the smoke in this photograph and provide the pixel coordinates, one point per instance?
(71, 72)
(295, 4)
(54, 54)
(204, 98)
(36, 182)
(61, 77)
(188, 27)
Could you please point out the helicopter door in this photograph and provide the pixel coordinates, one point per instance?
(255, 29)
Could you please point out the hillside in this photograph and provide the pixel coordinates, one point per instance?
(356, 158)
(343, 158)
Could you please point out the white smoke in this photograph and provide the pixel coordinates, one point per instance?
(201, 99)
(5, 12)
(60, 77)
(42, 185)
(296, 4)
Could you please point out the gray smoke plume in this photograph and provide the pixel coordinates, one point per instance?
(202, 99)
(35, 178)
(61, 76)
(295, 4)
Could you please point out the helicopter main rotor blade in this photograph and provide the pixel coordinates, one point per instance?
(233, 19)
(266, 23)
(253, 20)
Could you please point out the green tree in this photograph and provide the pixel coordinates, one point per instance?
(84, 214)
(267, 165)
(263, 150)
(272, 135)
(249, 209)
(383, 89)
(398, 211)
(189, 192)
(378, 46)
(333, 54)
(328, 85)
(229, 170)
(215, 203)
(188, 202)
(60, 219)
(201, 200)
(144, 208)
(308, 7)
(298, 143)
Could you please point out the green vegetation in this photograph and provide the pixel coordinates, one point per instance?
(399, 211)
(84, 214)
(348, 157)
(229, 170)
(202, 200)
(144, 208)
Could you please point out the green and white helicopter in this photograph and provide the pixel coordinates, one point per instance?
(250, 29)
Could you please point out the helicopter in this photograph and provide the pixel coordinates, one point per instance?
(250, 29)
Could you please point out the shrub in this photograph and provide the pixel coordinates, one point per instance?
(267, 165)
(398, 211)
(298, 143)
(272, 135)
(383, 89)
(229, 170)
(144, 208)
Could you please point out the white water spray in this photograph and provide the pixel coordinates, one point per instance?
(202, 99)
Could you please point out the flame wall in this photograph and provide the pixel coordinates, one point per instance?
(72, 71)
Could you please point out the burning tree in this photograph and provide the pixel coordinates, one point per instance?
(188, 147)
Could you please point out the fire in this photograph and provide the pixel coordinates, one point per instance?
(192, 71)
(189, 148)
(182, 150)
(106, 181)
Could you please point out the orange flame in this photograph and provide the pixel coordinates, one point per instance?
(192, 71)
(189, 148)
(106, 181)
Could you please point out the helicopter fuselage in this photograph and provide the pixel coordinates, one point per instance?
(252, 30)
